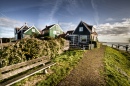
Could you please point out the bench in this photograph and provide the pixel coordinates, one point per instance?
(16, 72)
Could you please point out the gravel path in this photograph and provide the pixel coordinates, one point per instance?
(88, 71)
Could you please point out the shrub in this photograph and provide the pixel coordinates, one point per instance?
(27, 49)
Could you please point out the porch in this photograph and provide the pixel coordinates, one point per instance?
(79, 41)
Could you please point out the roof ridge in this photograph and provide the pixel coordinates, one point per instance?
(86, 25)
(48, 27)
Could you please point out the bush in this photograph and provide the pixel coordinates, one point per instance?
(27, 49)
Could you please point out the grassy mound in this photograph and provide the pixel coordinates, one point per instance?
(117, 67)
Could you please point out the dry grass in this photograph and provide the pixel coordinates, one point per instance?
(88, 71)
(6, 44)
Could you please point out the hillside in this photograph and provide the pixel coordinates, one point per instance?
(117, 67)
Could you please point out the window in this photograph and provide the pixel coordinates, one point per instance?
(80, 29)
(33, 30)
(83, 38)
(54, 32)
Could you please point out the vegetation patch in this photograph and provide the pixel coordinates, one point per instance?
(65, 63)
(117, 67)
(27, 49)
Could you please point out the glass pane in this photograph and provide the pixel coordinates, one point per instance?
(83, 38)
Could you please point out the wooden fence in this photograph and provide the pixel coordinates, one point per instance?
(118, 46)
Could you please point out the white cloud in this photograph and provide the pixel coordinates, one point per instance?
(94, 5)
(117, 31)
(7, 22)
(7, 26)
(54, 10)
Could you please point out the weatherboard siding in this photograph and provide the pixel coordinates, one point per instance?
(84, 32)
(55, 31)
(30, 32)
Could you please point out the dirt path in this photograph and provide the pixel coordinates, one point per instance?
(88, 71)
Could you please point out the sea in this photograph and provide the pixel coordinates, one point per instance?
(116, 43)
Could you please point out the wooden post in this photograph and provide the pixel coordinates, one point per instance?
(1, 44)
(126, 48)
(112, 45)
(0, 53)
(10, 41)
(91, 42)
(118, 46)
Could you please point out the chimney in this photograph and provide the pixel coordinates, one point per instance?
(25, 24)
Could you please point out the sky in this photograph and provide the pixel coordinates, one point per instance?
(111, 18)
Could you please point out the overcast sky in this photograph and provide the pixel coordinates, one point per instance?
(111, 18)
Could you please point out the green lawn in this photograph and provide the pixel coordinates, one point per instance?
(65, 63)
(117, 67)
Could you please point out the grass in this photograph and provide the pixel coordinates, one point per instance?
(117, 67)
(65, 63)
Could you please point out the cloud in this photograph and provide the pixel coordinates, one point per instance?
(9, 23)
(115, 28)
(96, 11)
(54, 10)
(68, 26)
(70, 5)
(116, 31)
(7, 26)
(110, 19)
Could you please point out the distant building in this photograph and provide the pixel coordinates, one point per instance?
(70, 32)
(82, 35)
(52, 30)
(25, 31)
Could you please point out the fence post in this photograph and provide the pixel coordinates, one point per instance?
(126, 48)
(1, 43)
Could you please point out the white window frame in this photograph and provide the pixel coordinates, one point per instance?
(33, 30)
(80, 29)
(54, 32)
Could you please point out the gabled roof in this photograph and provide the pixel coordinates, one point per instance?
(70, 32)
(24, 27)
(48, 27)
(89, 27)
(31, 28)
(17, 28)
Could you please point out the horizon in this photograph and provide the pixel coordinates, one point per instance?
(111, 18)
